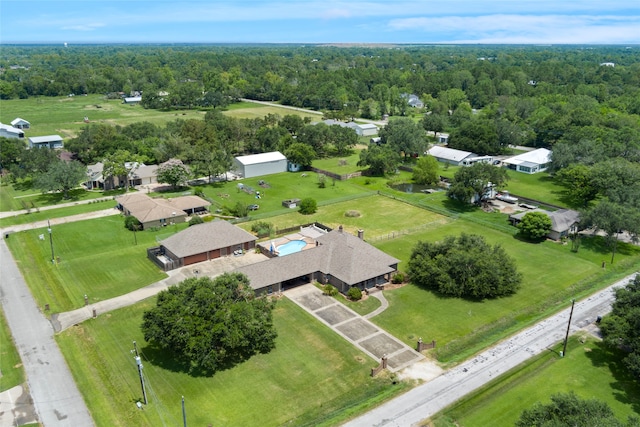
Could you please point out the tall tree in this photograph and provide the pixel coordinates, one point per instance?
(61, 176)
(173, 172)
(404, 136)
(380, 159)
(621, 327)
(425, 170)
(470, 183)
(120, 164)
(211, 324)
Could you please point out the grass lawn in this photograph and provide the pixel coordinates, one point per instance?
(589, 369)
(10, 363)
(64, 116)
(97, 258)
(312, 377)
(552, 276)
(340, 165)
(43, 215)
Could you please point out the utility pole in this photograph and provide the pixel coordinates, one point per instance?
(566, 338)
(139, 363)
(184, 414)
(53, 257)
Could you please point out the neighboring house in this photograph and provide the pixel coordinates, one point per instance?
(413, 100)
(260, 164)
(563, 221)
(140, 174)
(20, 123)
(10, 132)
(338, 258)
(48, 141)
(160, 212)
(529, 162)
(443, 138)
(132, 100)
(201, 242)
(450, 155)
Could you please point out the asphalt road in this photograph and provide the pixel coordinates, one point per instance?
(56, 397)
(431, 397)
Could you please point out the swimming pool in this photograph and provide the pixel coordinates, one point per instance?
(291, 247)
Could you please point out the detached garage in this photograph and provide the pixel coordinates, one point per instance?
(260, 164)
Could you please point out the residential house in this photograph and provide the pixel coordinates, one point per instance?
(450, 155)
(139, 174)
(160, 212)
(201, 242)
(48, 141)
(530, 162)
(8, 131)
(19, 123)
(563, 221)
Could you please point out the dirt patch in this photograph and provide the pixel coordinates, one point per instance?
(424, 370)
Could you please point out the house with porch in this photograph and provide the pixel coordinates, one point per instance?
(530, 162)
(19, 123)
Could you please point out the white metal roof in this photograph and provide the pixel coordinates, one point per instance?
(48, 138)
(254, 159)
(17, 121)
(448, 153)
(11, 129)
(540, 156)
(367, 126)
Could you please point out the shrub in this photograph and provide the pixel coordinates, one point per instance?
(132, 223)
(262, 228)
(195, 220)
(199, 193)
(322, 181)
(398, 278)
(352, 214)
(308, 206)
(354, 293)
(330, 290)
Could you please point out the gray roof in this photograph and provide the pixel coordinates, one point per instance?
(561, 220)
(146, 209)
(44, 139)
(205, 237)
(449, 153)
(339, 254)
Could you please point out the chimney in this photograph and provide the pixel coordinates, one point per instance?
(361, 234)
(340, 229)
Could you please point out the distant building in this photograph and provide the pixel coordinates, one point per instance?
(160, 212)
(365, 129)
(132, 100)
(260, 164)
(563, 221)
(530, 162)
(48, 141)
(450, 155)
(10, 132)
(608, 64)
(19, 123)
(413, 100)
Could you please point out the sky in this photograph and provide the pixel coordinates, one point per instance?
(316, 21)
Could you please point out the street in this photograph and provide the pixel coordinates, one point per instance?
(431, 397)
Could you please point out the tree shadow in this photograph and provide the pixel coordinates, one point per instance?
(626, 389)
(458, 207)
(167, 359)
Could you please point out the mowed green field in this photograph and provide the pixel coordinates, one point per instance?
(589, 369)
(552, 275)
(98, 258)
(312, 376)
(10, 363)
(64, 116)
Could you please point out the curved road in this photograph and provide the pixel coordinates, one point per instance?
(429, 398)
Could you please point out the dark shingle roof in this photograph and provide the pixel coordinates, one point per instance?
(206, 237)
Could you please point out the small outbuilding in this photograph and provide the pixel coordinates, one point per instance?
(201, 242)
(19, 123)
(530, 162)
(132, 100)
(563, 221)
(48, 141)
(260, 164)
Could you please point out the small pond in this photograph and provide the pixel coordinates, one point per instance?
(413, 188)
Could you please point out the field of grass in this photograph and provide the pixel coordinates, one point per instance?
(10, 363)
(312, 377)
(98, 258)
(340, 165)
(64, 116)
(589, 369)
(552, 275)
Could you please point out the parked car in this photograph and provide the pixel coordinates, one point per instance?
(506, 197)
(253, 207)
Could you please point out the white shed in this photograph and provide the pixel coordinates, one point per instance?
(260, 164)
(19, 123)
(48, 141)
(449, 155)
(10, 132)
(366, 129)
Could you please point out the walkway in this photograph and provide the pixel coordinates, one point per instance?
(212, 268)
(359, 331)
(384, 304)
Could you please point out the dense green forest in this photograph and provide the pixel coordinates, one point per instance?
(583, 102)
